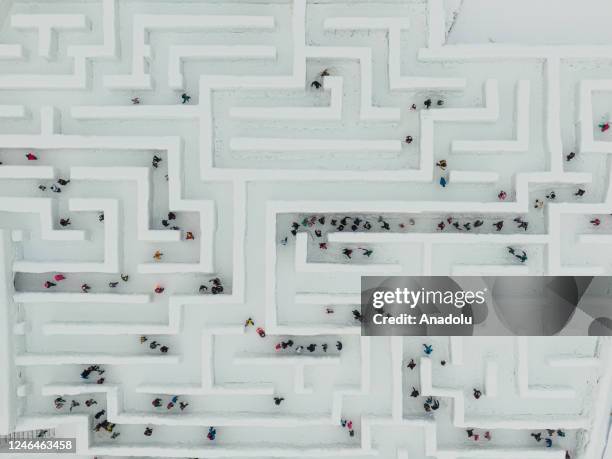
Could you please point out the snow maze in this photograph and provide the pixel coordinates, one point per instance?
(171, 169)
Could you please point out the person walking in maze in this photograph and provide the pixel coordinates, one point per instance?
(49, 284)
(278, 400)
(548, 442)
(59, 403)
(185, 98)
(414, 393)
(157, 402)
(523, 257)
(148, 431)
(411, 364)
(428, 349)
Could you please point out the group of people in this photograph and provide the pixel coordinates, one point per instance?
(159, 402)
(548, 440)
(108, 427)
(283, 345)
(476, 436)
(94, 369)
(154, 345)
(349, 252)
(166, 221)
(56, 187)
(59, 403)
(216, 287)
(85, 288)
(348, 424)
(431, 404)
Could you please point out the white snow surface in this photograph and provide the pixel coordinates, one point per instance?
(257, 148)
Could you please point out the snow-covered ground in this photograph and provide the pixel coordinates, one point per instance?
(257, 148)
